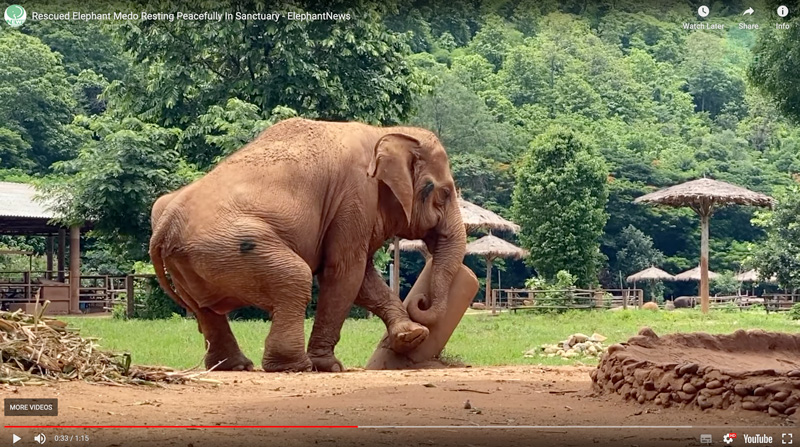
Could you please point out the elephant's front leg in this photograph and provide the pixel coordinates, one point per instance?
(339, 283)
(376, 296)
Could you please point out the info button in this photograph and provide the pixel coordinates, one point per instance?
(30, 407)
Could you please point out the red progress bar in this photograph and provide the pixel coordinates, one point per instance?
(181, 426)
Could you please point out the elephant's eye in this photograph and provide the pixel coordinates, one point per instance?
(426, 190)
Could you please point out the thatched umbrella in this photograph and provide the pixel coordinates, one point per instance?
(753, 276)
(704, 196)
(491, 247)
(474, 218)
(694, 274)
(652, 274)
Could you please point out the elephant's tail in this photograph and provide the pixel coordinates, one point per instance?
(158, 265)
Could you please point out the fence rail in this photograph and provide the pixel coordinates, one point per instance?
(97, 293)
(517, 299)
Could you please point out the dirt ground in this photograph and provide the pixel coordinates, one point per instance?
(506, 398)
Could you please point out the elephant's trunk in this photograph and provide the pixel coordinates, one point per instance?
(448, 247)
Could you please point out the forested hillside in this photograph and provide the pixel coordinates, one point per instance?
(108, 116)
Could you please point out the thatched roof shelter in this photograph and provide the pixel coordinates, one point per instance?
(693, 275)
(475, 218)
(410, 245)
(706, 191)
(650, 274)
(752, 276)
(493, 247)
(703, 196)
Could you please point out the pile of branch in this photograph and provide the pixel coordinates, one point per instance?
(36, 350)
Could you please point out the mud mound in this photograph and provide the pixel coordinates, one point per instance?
(753, 370)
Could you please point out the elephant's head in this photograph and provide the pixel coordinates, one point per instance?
(417, 171)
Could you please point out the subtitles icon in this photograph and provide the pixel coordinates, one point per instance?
(706, 439)
(729, 437)
(786, 438)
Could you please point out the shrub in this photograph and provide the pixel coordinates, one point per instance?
(794, 312)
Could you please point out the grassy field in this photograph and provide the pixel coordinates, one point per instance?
(479, 340)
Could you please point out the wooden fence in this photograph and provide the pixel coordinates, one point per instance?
(516, 299)
(97, 293)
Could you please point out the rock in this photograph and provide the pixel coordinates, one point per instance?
(773, 412)
(650, 306)
(790, 411)
(760, 391)
(560, 352)
(577, 338)
(689, 388)
(689, 368)
(780, 397)
(592, 350)
(597, 337)
(669, 306)
(713, 384)
(647, 332)
(467, 405)
(527, 302)
(614, 348)
(780, 407)
(479, 306)
(530, 353)
(751, 406)
(741, 390)
(704, 403)
(794, 373)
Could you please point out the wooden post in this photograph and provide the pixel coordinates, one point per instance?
(48, 244)
(74, 269)
(396, 266)
(640, 294)
(489, 296)
(129, 298)
(704, 218)
(62, 244)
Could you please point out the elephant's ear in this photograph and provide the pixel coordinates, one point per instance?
(393, 163)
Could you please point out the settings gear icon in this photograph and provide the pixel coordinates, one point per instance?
(729, 437)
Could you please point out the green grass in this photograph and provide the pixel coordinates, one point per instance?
(479, 339)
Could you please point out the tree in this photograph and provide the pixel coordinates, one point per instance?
(779, 254)
(328, 69)
(36, 103)
(776, 67)
(636, 251)
(122, 166)
(559, 201)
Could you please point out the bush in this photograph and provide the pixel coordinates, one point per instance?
(794, 312)
(151, 302)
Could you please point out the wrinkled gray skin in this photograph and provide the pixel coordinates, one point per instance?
(308, 198)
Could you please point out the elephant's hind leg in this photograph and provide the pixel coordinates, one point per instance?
(284, 288)
(223, 353)
(222, 350)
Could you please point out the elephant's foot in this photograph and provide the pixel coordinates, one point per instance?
(279, 365)
(326, 363)
(234, 362)
(407, 335)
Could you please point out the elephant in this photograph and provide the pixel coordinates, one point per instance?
(309, 199)
(684, 302)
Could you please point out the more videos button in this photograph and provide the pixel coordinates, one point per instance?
(30, 407)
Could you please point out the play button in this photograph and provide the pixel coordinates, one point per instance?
(15, 438)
